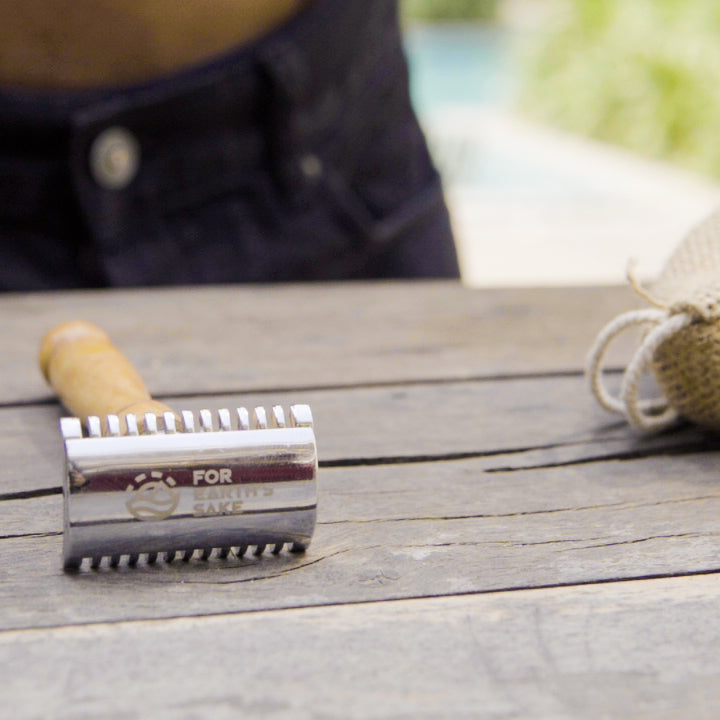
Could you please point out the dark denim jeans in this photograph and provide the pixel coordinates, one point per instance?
(295, 158)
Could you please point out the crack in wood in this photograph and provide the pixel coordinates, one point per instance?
(563, 541)
(524, 513)
(553, 542)
(410, 598)
(274, 575)
(50, 400)
(700, 446)
(704, 444)
(31, 535)
(29, 494)
(669, 536)
(444, 457)
(576, 584)
(379, 384)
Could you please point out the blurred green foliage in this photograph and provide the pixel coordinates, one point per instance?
(641, 73)
(449, 9)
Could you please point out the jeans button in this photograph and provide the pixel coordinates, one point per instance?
(311, 166)
(114, 158)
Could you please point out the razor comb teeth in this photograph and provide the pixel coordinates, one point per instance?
(223, 421)
(139, 488)
(97, 562)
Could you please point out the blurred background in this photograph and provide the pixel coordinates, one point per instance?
(572, 135)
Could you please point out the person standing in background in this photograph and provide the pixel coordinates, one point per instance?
(151, 142)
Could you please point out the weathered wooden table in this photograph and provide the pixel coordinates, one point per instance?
(490, 543)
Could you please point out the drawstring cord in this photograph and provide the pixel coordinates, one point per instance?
(647, 414)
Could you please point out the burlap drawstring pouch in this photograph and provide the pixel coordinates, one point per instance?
(680, 341)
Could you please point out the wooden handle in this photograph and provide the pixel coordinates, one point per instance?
(90, 374)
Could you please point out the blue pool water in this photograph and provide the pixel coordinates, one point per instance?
(458, 64)
(473, 65)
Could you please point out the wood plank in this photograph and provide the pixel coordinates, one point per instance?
(238, 339)
(451, 488)
(404, 531)
(634, 650)
(555, 418)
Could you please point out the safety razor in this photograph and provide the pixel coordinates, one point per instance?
(144, 482)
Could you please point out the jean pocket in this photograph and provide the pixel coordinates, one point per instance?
(377, 231)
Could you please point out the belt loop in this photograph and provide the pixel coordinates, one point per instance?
(287, 77)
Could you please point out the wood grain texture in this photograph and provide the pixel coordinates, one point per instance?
(239, 339)
(400, 531)
(486, 535)
(542, 420)
(626, 650)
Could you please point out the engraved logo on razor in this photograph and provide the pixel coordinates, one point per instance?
(153, 498)
(215, 493)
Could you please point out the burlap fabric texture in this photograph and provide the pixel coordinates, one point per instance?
(680, 341)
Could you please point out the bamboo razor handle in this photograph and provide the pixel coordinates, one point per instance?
(91, 376)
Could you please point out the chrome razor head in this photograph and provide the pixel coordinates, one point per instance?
(180, 486)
